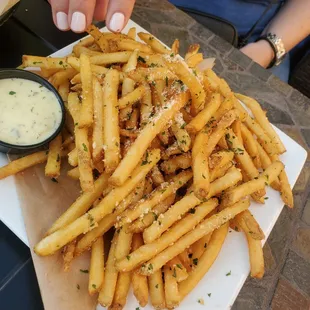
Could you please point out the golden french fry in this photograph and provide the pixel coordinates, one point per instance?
(236, 128)
(111, 136)
(132, 62)
(151, 74)
(191, 51)
(97, 150)
(205, 116)
(108, 221)
(218, 172)
(220, 159)
(194, 60)
(166, 220)
(131, 45)
(61, 77)
(88, 221)
(156, 289)
(171, 288)
(132, 32)
(127, 87)
(247, 188)
(175, 47)
(249, 225)
(256, 257)
(156, 46)
(225, 106)
(68, 254)
(75, 63)
(99, 38)
(148, 251)
(185, 259)
(250, 145)
(78, 50)
(286, 190)
(139, 282)
(171, 150)
(180, 133)
(157, 176)
(132, 97)
(142, 223)
(74, 173)
(222, 86)
(158, 195)
(110, 277)
(23, 163)
(262, 120)
(148, 133)
(45, 62)
(205, 227)
(191, 81)
(200, 165)
(178, 269)
(87, 108)
(132, 122)
(110, 58)
(176, 162)
(73, 157)
(52, 168)
(96, 269)
(205, 261)
(81, 205)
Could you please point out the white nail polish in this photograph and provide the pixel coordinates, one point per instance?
(78, 22)
(117, 22)
(62, 21)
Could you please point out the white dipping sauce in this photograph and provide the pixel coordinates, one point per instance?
(29, 112)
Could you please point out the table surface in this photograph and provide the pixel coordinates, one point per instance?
(286, 284)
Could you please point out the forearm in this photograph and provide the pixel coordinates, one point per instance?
(292, 23)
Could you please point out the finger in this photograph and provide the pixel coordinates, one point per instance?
(101, 9)
(119, 12)
(60, 13)
(80, 14)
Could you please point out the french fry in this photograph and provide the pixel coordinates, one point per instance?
(61, 77)
(180, 133)
(110, 58)
(82, 145)
(146, 107)
(148, 251)
(225, 106)
(205, 116)
(178, 269)
(132, 122)
(108, 221)
(175, 47)
(78, 50)
(45, 62)
(81, 205)
(149, 132)
(68, 254)
(200, 165)
(139, 282)
(132, 97)
(157, 176)
(96, 268)
(23, 163)
(111, 137)
(191, 51)
(127, 87)
(156, 289)
(171, 288)
(156, 46)
(286, 190)
(52, 168)
(58, 239)
(250, 145)
(150, 74)
(158, 195)
(97, 151)
(220, 159)
(73, 157)
(205, 261)
(176, 162)
(171, 150)
(87, 108)
(219, 171)
(249, 225)
(194, 60)
(75, 63)
(262, 120)
(131, 45)
(205, 227)
(63, 91)
(86, 41)
(166, 220)
(199, 247)
(99, 38)
(185, 259)
(247, 188)
(191, 81)
(132, 32)
(110, 277)
(236, 128)
(223, 87)
(142, 223)
(132, 62)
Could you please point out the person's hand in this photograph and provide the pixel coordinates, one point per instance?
(78, 14)
(260, 51)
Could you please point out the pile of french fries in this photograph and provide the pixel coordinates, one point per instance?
(166, 156)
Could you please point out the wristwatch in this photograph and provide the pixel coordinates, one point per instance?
(277, 45)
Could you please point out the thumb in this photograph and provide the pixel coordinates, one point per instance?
(118, 13)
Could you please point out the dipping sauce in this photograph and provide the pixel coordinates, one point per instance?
(29, 112)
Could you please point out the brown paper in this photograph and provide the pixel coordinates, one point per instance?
(42, 201)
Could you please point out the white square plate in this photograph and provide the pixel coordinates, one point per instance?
(233, 257)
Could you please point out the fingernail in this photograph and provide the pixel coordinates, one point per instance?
(117, 22)
(78, 22)
(62, 21)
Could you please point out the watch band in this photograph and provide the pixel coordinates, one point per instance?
(277, 46)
